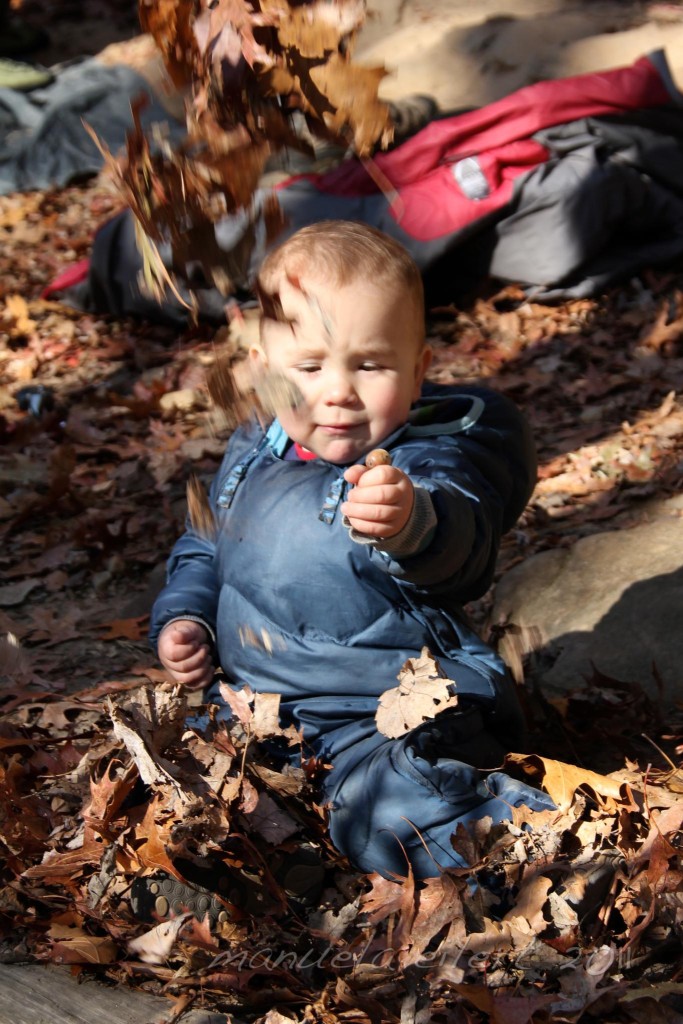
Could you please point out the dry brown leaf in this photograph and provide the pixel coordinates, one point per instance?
(154, 946)
(528, 909)
(225, 394)
(126, 629)
(70, 945)
(386, 897)
(439, 904)
(562, 780)
(563, 915)
(150, 772)
(266, 720)
(274, 392)
(249, 796)
(288, 782)
(169, 23)
(275, 1017)
(225, 32)
(107, 794)
(15, 316)
(423, 692)
(503, 1007)
(14, 660)
(314, 29)
(352, 91)
(239, 701)
(152, 837)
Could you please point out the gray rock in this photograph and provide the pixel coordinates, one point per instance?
(614, 599)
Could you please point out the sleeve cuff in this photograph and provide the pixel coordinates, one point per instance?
(193, 618)
(415, 535)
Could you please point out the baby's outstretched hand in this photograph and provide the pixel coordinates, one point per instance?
(380, 501)
(185, 653)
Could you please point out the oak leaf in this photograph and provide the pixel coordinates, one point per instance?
(70, 945)
(562, 780)
(439, 904)
(422, 693)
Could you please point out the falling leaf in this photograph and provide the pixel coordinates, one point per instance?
(200, 512)
(274, 392)
(13, 658)
(423, 692)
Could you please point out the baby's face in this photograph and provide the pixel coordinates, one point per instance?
(357, 356)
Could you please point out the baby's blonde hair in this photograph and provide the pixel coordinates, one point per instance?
(340, 252)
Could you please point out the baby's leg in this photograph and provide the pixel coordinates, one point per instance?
(405, 799)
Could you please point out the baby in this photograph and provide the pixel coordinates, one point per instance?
(351, 570)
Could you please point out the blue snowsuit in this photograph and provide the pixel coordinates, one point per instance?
(343, 617)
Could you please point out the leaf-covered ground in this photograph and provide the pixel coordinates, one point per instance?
(573, 915)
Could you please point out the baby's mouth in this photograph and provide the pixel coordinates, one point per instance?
(339, 428)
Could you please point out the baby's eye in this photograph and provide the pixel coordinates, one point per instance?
(369, 366)
(308, 367)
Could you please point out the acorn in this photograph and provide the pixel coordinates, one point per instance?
(377, 457)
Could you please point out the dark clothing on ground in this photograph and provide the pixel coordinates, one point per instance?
(564, 186)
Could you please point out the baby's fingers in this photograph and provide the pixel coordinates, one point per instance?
(370, 512)
(370, 528)
(187, 662)
(196, 670)
(197, 678)
(181, 652)
(381, 494)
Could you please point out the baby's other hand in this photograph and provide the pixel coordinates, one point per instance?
(184, 652)
(380, 501)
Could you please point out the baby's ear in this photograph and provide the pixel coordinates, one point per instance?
(257, 356)
(422, 364)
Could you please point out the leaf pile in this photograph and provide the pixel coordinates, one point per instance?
(562, 913)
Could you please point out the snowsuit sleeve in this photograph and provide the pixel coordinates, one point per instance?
(192, 583)
(479, 481)
(192, 588)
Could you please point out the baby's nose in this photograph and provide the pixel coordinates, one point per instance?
(340, 390)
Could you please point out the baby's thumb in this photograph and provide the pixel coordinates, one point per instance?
(185, 632)
(353, 474)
